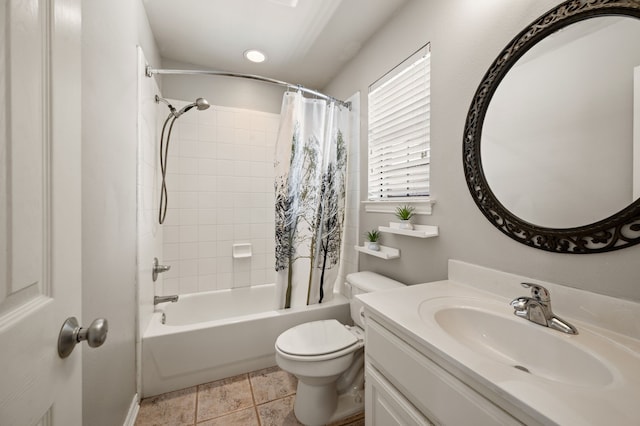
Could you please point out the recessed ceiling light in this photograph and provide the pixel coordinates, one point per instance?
(255, 55)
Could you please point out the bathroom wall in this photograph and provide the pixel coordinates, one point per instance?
(466, 36)
(220, 193)
(224, 91)
(150, 235)
(110, 33)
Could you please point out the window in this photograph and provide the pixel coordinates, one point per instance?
(399, 131)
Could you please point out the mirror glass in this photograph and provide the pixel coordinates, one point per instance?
(558, 136)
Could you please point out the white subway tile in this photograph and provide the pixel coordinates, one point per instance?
(171, 234)
(226, 168)
(225, 118)
(187, 165)
(226, 151)
(224, 280)
(207, 282)
(207, 217)
(170, 286)
(241, 137)
(225, 232)
(223, 264)
(188, 200)
(208, 116)
(207, 150)
(225, 135)
(188, 182)
(207, 200)
(188, 251)
(241, 232)
(189, 268)
(188, 131)
(189, 284)
(171, 251)
(241, 279)
(207, 232)
(189, 148)
(207, 183)
(188, 233)
(207, 166)
(207, 249)
(207, 133)
(207, 266)
(258, 138)
(188, 216)
(224, 249)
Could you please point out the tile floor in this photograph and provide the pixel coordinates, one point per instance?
(260, 398)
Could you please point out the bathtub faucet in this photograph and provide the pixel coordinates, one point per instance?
(162, 299)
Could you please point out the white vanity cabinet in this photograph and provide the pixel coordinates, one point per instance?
(405, 387)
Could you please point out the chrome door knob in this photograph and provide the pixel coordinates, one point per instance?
(71, 334)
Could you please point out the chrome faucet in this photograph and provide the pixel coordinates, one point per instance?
(537, 308)
(162, 299)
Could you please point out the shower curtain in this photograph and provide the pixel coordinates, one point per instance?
(310, 170)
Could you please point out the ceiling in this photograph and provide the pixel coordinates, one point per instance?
(306, 41)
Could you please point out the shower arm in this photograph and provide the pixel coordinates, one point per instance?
(149, 72)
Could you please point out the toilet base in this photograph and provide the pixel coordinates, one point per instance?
(348, 405)
(313, 403)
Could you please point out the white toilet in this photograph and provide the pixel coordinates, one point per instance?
(327, 357)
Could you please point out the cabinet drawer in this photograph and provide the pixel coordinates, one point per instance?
(436, 393)
(385, 406)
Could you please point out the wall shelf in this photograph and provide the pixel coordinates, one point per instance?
(384, 253)
(418, 231)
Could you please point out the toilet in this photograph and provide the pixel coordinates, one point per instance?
(327, 357)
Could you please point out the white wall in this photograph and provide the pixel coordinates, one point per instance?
(110, 30)
(224, 91)
(466, 36)
(150, 233)
(220, 193)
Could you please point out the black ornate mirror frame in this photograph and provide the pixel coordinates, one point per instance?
(615, 232)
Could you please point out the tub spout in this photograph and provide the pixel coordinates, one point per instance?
(162, 299)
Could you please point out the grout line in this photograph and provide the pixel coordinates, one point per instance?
(253, 398)
(195, 414)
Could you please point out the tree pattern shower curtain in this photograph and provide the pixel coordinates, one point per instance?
(310, 170)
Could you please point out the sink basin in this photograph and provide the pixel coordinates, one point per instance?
(488, 328)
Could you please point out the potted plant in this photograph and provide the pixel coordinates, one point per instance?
(404, 213)
(373, 238)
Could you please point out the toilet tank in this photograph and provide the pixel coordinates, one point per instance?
(366, 282)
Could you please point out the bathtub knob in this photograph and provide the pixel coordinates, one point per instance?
(71, 334)
(158, 269)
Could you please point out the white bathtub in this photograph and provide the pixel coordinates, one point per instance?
(217, 334)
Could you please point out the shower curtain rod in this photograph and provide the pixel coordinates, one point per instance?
(151, 71)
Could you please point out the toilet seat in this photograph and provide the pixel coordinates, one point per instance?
(317, 340)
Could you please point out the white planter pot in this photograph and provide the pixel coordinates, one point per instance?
(406, 224)
(375, 246)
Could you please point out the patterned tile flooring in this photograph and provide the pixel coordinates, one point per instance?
(260, 398)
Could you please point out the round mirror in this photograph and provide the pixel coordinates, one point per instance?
(549, 140)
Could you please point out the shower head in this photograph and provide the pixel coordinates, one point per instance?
(200, 103)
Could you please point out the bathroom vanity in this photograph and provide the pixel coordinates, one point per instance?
(452, 352)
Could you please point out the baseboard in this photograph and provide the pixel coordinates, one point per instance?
(133, 411)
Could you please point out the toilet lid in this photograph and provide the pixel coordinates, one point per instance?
(315, 338)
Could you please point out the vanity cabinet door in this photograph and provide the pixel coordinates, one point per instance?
(385, 406)
(427, 386)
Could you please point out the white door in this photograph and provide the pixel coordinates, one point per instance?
(40, 219)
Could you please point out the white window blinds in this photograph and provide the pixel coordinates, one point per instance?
(399, 129)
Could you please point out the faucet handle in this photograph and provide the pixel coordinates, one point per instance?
(538, 292)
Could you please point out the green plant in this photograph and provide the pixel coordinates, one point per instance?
(373, 235)
(404, 212)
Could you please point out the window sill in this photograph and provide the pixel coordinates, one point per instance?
(422, 206)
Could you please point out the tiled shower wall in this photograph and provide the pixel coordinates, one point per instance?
(220, 192)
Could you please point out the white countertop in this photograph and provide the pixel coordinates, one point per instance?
(547, 401)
